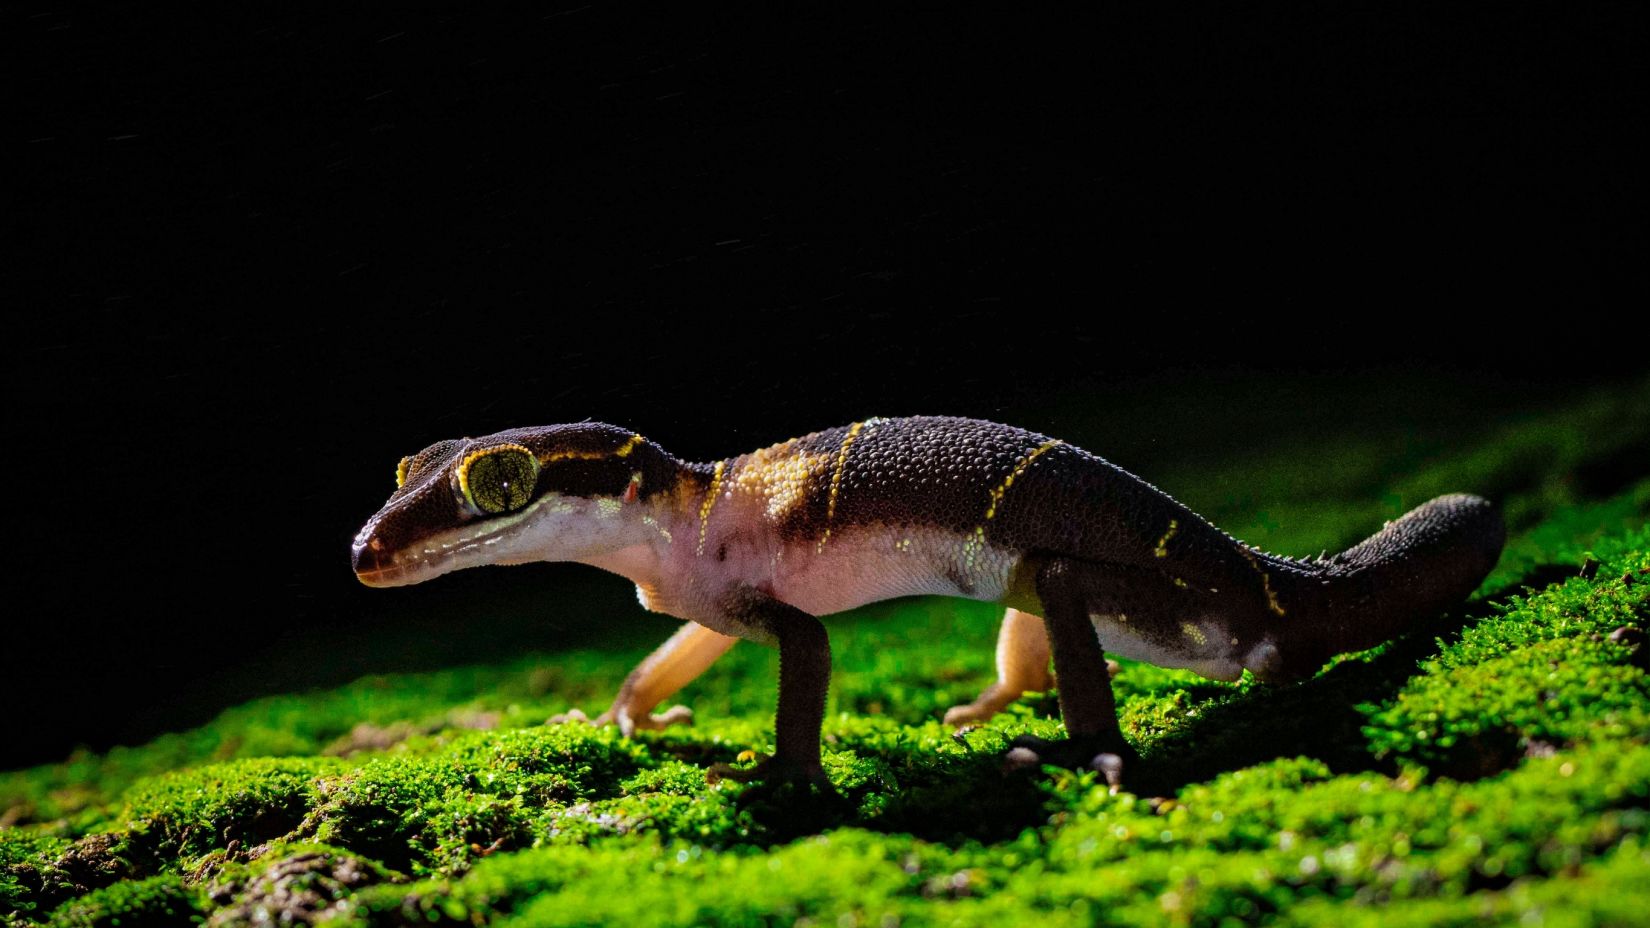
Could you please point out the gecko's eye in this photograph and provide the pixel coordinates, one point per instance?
(498, 479)
(401, 472)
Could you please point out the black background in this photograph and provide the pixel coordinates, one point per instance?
(260, 254)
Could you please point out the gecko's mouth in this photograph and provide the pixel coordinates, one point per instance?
(384, 576)
(381, 566)
(379, 563)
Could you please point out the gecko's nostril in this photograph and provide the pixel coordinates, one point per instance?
(368, 555)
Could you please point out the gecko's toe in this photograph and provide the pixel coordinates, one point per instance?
(632, 722)
(721, 771)
(1108, 756)
(770, 775)
(1110, 766)
(968, 714)
(628, 724)
(995, 699)
(675, 715)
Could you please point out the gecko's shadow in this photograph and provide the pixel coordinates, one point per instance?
(1320, 718)
(973, 799)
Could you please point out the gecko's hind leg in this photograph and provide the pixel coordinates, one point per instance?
(676, 663)
(1087, 706)
(1022, 667)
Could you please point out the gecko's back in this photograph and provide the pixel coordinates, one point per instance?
(992, 485)
(1182, 592)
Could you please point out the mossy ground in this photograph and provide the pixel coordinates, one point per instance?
(1491, 767)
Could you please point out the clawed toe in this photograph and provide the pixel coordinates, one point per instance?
(968, 714)
(1106, 756)
(628, 724)
(723, 771)
(771, 773)
(675, 715)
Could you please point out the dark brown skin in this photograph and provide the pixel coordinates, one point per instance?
(1096, 552)
(1087, 705)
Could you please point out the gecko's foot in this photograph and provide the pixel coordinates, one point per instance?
(975, 712)
(998, 696)
(628, 724)
(772, 773)
(571, 715)
(1108, 755)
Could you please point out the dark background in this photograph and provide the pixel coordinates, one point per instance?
(260, 254)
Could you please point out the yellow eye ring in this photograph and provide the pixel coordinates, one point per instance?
(497, 479)
(401, 472)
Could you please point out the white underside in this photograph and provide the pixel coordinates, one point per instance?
(1206, 647)
(868, 565)
(688, 570)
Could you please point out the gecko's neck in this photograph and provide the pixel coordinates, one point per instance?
(660, 524)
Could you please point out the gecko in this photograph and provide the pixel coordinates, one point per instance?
(1087, 559)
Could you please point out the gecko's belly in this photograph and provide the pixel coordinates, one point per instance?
(1201, 646)
(866, 565)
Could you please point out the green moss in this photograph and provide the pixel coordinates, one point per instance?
(444, 803)
(1259, 841)
(1492, 766)
(190, 813)
(25, 862)
(1540, 672)
(157, 902)
(1617, 595)
(290, 883)
(1555, 692)
(1612, 891)
(1561, 543)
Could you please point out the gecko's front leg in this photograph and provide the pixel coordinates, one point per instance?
(675, 664)
(804, 679)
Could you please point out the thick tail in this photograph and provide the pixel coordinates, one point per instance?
(1426, 561)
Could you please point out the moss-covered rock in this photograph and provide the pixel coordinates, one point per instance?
(157, 902)
(298, 884)
(248, 802)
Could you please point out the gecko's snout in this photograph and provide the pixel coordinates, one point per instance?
(370, 558)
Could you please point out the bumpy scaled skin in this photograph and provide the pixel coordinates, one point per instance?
(759, 545)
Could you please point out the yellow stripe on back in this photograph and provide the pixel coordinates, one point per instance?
(836, 480)
(1265, 581)
(623, 451)
(1162, 549)
(710, 502)
(1020, 468)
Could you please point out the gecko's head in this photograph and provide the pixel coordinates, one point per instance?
(554, 493)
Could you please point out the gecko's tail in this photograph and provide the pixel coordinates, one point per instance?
(1424, 562)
